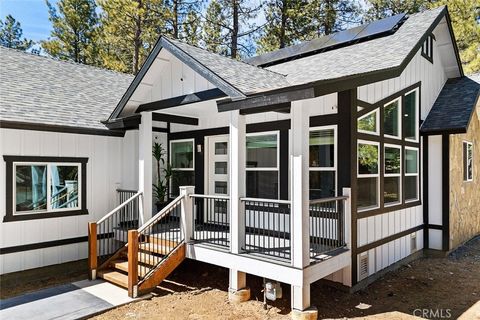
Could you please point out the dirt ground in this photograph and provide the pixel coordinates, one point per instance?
(446, 286)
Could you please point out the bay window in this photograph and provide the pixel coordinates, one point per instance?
(43, 187)
(368, 174)
(322, 162)
(182, 162)
(262, 165)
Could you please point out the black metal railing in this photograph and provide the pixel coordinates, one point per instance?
(129, 212)
(112, 229)
(158, 237)
(211, 219)
(327, 225)
(267, 227)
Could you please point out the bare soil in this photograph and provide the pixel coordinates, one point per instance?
(441, 287)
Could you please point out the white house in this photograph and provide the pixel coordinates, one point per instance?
(336, 159)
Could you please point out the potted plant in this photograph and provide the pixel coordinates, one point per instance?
(160, 189)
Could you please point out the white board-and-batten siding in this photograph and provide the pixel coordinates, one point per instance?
(111, 164)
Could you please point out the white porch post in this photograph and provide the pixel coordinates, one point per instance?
(145, 163)
(187, 212)
(237, 291)
(300, 225)
(236, 156)
(299, 180)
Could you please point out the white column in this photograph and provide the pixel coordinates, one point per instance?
(299, 183)
(187, 212)
(145, 163)
(300, 297)
(236, 157)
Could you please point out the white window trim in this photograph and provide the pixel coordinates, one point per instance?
(335, 146)
(377, 122)
(394, 175)
(468, 143)
(399, 118)
(47, 165)
(417, 104)
(264, 169)
(376, 175)
(413, 174)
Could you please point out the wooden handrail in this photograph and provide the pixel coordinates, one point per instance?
(119, 207)
(160, 214)
(323, 200)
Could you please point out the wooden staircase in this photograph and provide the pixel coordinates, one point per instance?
(137, 259)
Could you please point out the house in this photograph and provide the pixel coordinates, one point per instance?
(338, 159)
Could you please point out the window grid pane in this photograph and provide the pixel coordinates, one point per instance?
(410, 116)
(262, 151)
(367, 159)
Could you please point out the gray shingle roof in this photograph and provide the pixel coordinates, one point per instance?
(245, 77)
(374, 55)
(36, 89)
(454, 106)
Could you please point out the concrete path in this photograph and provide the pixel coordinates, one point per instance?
(70, 301)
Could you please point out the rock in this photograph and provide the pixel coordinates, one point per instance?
(363, 306)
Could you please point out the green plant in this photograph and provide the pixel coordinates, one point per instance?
(160, 189)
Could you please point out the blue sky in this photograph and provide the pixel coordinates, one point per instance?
(32, 15)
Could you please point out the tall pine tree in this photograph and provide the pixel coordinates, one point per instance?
(191, 32)
(74, 34)
(213, 24)
(379, 9)
(11, 34)
(129, 31)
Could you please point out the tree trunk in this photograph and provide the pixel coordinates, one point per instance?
(175, 19)
(283, 24)
(234, 39)
(137, 42)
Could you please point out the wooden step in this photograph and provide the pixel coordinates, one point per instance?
(159, 249)
(123, 266)
(115, 277)
(145, 258)
(161, 241)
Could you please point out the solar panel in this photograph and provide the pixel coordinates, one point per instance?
(342, 38)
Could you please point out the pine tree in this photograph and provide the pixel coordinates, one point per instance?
(191, 32)
(74, 34)
(130, 28)
(11, 34)
(286, 25)
(379, 9)
(177, 13)
(212, 28)
(328, 16)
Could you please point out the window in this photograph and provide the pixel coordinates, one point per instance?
(322, 162)
(368, 174)
(262, 166)
(391, 119)
(45, 187)
(411, 174)
(182, 164)
(410, 115)
(467, 161)
(427, 48)
(392, 175)
(369, 123)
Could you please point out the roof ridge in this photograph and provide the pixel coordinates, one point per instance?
(48, 57)
(225, 57)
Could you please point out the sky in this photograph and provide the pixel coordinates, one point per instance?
(32, 15)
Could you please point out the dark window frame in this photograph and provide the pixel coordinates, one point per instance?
(402, 142)
(9, 185)
(427, 48)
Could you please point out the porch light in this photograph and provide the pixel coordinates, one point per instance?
(199, 148)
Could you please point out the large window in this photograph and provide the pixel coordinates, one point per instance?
(262, 165)
(322, 162)
(182, 162)
(41, 187)
(369, 123)
(411, 174)
(391, 119)
(467, 161)
(410, 114)
(392, 175)
(368, 174)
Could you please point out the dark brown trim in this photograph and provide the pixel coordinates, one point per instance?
(6, 124)
(155, 129)
(268, 126)
(328, 119)
(42, 245)
(425, 193)
(165, 117)
(282, 108)
(435, 227)
(437, 132)
(125, 123)
(9, 212)
(353, 182)
(385, 209)
(198, 133)
(181, 100)
(388, 239)
(446, 192)
(283, 163)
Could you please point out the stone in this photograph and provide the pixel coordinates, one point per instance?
(237, 296)
(307, 314)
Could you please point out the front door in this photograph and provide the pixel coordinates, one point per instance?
(217, 177)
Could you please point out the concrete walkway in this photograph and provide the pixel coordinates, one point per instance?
(70, 301)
